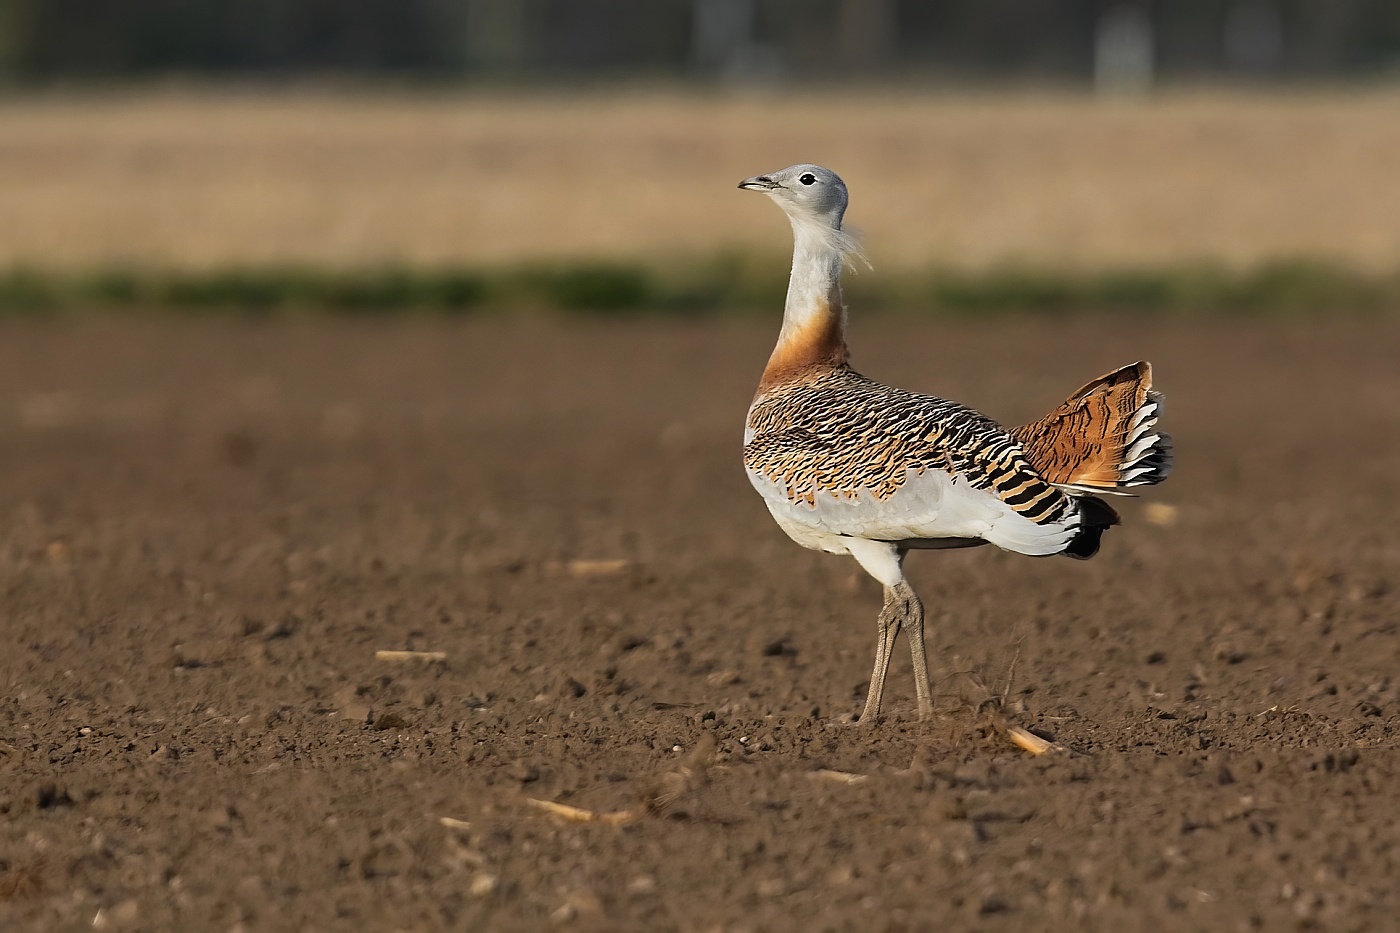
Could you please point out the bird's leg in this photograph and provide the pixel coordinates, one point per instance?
(888, 625)
(912, 616)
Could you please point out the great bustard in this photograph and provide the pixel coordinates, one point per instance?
(850, 466)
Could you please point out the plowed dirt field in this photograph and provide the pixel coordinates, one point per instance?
(211, 527)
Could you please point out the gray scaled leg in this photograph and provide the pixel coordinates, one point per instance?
(888, 630)
(911, 612)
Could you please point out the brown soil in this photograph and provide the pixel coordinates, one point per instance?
(211, 527)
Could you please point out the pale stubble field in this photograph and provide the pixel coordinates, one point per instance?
(201, 179)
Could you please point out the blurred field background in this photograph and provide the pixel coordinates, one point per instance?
(1059, 180)
(627, 198)
(1232, 153)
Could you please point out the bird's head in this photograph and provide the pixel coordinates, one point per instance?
(805, 192)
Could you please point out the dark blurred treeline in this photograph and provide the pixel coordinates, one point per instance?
(739, 39)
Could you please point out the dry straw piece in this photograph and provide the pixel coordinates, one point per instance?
(385, 655)
(452, 823)
(1031, 742)
(589, 568)
(1161, 514)
(579, 814)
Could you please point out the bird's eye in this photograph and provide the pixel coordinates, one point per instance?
(808, 178)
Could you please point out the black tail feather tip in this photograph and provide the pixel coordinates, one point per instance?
(1096, 516)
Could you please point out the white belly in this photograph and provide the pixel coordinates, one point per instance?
(807, 535)
(928, 505)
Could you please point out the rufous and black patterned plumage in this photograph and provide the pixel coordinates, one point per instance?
(850, 466)
(835, 432)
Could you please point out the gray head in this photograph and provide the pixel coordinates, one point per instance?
(805, 192)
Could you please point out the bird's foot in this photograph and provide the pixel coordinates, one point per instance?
(850, 721)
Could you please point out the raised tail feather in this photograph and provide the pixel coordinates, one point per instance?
(1104, 438)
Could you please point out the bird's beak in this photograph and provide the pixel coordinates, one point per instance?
(759, 183)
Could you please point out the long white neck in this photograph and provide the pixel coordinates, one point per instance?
(814, 317)
(814, 288)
